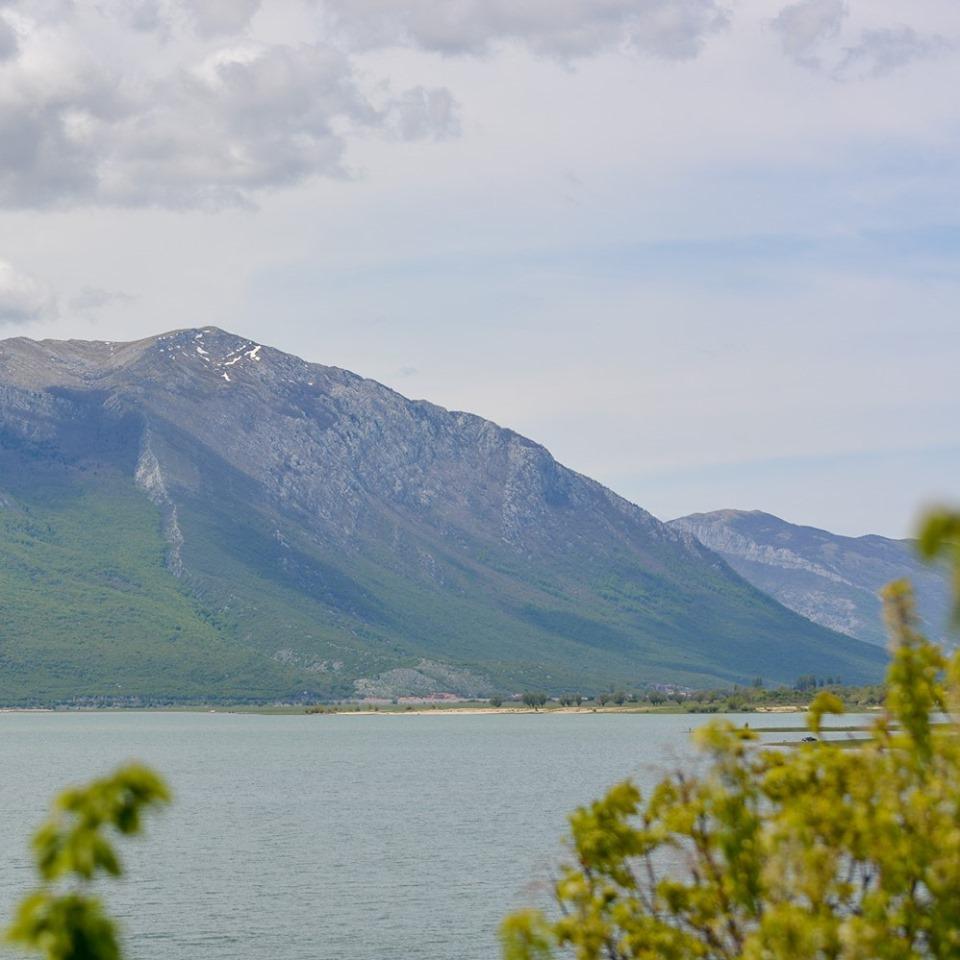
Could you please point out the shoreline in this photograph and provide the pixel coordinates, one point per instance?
(412, 711)
(480, 711)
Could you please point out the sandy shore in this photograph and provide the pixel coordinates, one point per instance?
(463, 711)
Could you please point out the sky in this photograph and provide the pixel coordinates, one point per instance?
(706, 251)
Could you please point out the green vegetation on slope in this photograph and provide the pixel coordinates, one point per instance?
(89, 609)
(336, 614)
(91, 612)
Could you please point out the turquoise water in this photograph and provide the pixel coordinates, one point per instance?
(332, 837)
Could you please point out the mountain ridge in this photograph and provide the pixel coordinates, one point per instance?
(832, 579)
(329, 531)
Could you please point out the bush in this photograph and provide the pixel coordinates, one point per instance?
(813, 851)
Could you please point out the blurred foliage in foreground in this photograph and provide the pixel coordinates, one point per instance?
(793, 854)
(62, 919)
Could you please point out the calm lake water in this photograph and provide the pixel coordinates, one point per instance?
(332, 837)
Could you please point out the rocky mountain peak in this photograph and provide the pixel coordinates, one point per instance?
(833, 580)
(322, 518)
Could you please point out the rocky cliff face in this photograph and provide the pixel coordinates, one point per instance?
(834, 581)
(338, 533)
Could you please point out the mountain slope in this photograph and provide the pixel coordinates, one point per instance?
(313, 533)
(832, 580)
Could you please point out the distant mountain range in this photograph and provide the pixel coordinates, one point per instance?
(196, 516)
(834, 581)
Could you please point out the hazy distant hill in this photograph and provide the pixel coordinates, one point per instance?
(832, 580)
(195, 515)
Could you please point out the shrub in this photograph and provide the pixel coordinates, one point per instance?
(811, 851)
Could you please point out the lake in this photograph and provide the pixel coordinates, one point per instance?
(333, 837)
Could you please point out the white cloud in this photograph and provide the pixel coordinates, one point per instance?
(420, 113)
(186, 127)
(210, 104)
(676, 30)
(882, 51)
(214, 18)
(208, 19)
(804, 26)
(147, 16)
(95, 298)
(811, 34)
(9, 44)
(567, 29)
(22, 298)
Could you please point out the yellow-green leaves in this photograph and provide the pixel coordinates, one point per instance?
(525, 935)
(821, 852)
(913, 678)
(940, 537)
(66, 927)
(73, 840)
(61, 920)
(823, 702)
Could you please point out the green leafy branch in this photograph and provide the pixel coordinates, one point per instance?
(62, 919)
(808, 853)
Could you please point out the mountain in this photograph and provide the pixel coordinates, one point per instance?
(832, 580)
(197, 516)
